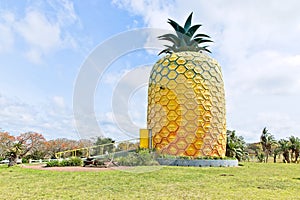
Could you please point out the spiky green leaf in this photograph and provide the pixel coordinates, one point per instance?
(176, 26)
(188, 22)
(192, 30)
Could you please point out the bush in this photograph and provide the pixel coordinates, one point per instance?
(52, 163)
(74, 161)
(141, 158)
(25, 160)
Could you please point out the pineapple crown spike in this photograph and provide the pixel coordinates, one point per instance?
(185, 40)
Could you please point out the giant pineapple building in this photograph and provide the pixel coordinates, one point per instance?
(186, 99)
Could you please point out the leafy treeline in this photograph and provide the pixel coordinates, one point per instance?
(32, 145)
(288, 148)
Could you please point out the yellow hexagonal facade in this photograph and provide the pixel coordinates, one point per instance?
(186, 105)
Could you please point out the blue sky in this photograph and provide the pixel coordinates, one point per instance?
(44, 45)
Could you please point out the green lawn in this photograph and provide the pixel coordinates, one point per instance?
(251, 181)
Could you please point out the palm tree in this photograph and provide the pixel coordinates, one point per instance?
(14, 152)
(284, 147)
(294, 147)
(267, 140)
(235, 146)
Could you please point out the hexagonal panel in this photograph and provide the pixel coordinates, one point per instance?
(164, 132)
(191, 150)
(163, 122)
(190, 83)
(190, 94)
(207, 116)
(197, 61)
(207, 150)
(198, 144)
(164, 81)
(207, 105)
(181, 61)
(180, 88)
(206, 75)
(172, 126)
(172, 115)
(181, 69)
(173, 57)
(205, 66)
(158, 78)
(172, 84)
(171, 95)
(189, 73)
(181, 122)
(157, 138)
(198, 69)
(172, 105)
(180, 78)
(190, 127)
(206, 126)
(153, 75)
(189, 65)
(172, 66)
(181, 110)
(159, 68)
(171, 137)
(181, 133)
(181, 99)
(181, 144)
(165, 63)
(172, 150)
(164, 100)
(198, 78)
(164, 71)
(172, 75)
(190, 115)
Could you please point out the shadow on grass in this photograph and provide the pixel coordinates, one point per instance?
(297, 179)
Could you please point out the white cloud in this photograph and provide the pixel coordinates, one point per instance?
(49, 119)
(42, 32)
(6, 33)
(59, 101)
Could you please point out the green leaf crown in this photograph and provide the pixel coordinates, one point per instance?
(185, 40)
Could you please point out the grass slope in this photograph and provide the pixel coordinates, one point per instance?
(251, 181)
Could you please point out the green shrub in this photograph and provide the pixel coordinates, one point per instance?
(141, 158)
(52, 163)
(25, 160)
(74, 161)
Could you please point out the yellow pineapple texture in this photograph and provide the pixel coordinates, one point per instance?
(186, 105)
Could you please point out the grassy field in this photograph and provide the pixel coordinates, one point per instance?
(250, 181)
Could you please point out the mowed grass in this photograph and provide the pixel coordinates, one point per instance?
(251, 181)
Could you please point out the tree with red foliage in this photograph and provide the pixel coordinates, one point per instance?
(26, 143)
(6, 141)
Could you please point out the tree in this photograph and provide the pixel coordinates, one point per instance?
(64, 144)
(125, 146)
(107, 143)
(267, 140)
(6, 141)
(294, 146)
(235, 146)
(26, 143)
(284, 147)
